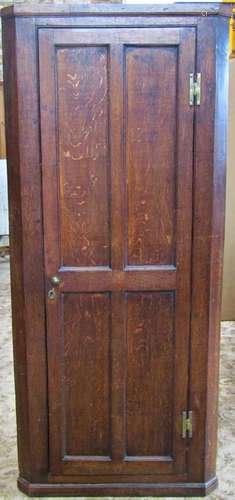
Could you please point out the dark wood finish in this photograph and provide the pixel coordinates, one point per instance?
(150, 353)
(177, 9)
(217, 232)
(78, 148)
(26, 241)
(130, 489)
(83, 139)
(151, 218)
(111, 174)
(2, 124)
(86, 383)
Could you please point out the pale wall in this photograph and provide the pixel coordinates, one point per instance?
(228, 303)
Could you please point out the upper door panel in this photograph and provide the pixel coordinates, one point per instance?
(151, 137)
(83, 139)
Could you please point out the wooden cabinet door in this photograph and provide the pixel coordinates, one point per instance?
(117, 163)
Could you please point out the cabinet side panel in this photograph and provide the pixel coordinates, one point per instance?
(20, 75)
(202, 230)
(209, 177)
(217, 240)
(11, 111)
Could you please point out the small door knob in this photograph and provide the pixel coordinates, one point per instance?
(55, 280)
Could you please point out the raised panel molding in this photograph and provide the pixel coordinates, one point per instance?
(150, 373)
(85, 374)
(83, 155)
(151, 153)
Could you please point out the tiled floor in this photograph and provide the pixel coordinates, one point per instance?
(8, 457)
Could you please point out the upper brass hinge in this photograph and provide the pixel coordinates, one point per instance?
(195, 89)
(187, 424)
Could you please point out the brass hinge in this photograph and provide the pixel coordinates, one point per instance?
(195, 89)
(187, 424)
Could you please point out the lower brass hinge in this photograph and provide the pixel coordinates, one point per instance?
(195, 89)
(187, 424)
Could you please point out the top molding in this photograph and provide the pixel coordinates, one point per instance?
(87, 9)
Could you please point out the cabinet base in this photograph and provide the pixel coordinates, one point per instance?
(118, 489)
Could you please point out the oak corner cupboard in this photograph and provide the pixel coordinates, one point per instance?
(116, 140)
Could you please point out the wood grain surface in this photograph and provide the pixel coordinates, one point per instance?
(116, 187)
